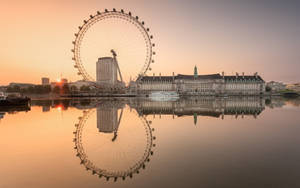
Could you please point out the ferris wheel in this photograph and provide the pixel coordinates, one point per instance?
(118, 32)
(107, 156)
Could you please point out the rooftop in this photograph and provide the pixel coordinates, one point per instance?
(208, 76)
(237, 78)
(192, 77)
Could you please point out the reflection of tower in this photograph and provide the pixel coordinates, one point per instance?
(107, 119)
(118, 161)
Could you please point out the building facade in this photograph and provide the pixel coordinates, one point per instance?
(213, 84)
(106, 71)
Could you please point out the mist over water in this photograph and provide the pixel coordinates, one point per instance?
(192, 142)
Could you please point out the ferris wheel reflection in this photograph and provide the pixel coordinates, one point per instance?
(118, 146)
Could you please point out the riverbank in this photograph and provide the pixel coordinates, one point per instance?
(53, 96)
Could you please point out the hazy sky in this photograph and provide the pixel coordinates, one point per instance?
(230, 36)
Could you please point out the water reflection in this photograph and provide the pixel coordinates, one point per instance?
(128, 154)
(12, 110)
(202, 106)
(114, 139)
(124, 156)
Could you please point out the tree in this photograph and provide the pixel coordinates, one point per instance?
(56, 90)
(47, 89)
(65, 89)
(268, 88)
(14, 88)
(74, 89)
(30, 89)
(85, 88)
(38, 89)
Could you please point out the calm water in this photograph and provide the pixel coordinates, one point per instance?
(194, 142)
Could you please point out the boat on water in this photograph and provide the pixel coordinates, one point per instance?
(164, 96)
(14, 100)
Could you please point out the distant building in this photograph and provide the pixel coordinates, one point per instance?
(78, 84)
(59, 83)
(53, 84)
(106, 71)
(45, 81)
(276, 86)
(213, 84)
(3, 88)
(21, 85)
(294, 87)
(64, 81)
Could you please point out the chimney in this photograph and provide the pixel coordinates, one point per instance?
(153, 76)
(243, 75)
(223, 74)
(160, 75)
(255, 74)
(173, 74)
(236, 75)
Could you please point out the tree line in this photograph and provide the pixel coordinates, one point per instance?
(46, 89)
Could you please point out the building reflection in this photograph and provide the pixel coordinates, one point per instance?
(13, 110)
(202, 106)
(108, 119)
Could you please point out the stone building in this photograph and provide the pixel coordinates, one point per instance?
(244, 85)
(212, 84)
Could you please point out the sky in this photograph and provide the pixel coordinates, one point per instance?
(231, 36)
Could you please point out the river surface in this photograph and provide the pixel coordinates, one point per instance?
(191, 142)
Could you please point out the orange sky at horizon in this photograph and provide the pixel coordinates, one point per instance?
(37, 37)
